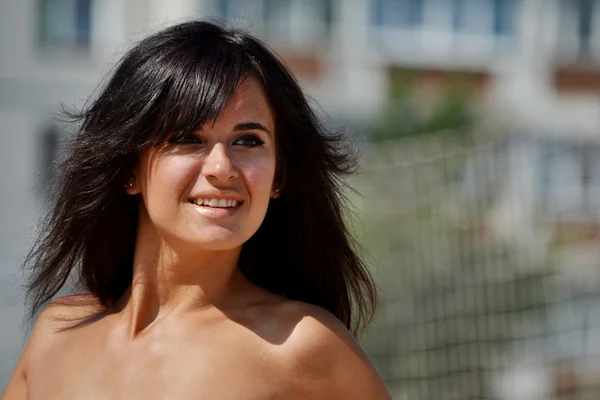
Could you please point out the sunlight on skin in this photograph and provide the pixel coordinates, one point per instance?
(185, 252)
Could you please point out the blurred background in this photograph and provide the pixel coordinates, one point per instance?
(479, 127)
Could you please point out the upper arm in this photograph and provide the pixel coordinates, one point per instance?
(353, 376)
(42, 337)
(17, 385)
(330, 364)
(17, 388)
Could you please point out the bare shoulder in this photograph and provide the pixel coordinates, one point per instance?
(63, 313)
(49, 326)
(54, 321)
(326, 359)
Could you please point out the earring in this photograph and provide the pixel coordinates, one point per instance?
(277, 190)
(129, 185)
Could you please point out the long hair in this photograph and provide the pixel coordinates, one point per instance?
(175, 81)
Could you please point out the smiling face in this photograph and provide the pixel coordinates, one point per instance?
(211, 190)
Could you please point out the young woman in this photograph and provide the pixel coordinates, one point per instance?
(201, 209)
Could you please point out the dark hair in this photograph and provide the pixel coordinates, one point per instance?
(175, 81)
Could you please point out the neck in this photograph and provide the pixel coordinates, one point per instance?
(168, 282)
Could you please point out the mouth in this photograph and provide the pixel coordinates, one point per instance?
(217, 203)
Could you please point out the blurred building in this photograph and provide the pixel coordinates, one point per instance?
(532, 66)
(532, 61)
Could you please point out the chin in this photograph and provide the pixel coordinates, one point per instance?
(218, 241)
(218, 245)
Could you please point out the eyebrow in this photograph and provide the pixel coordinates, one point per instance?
(249, 126)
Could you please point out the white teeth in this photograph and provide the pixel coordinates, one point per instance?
(220, 203)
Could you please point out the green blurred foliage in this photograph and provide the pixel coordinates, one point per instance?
(402, 117)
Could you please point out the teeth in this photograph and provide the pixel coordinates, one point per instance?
(220, 203)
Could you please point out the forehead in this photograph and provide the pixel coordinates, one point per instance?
(249, 102)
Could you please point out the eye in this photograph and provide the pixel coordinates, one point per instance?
(185, 138)
(249, 141)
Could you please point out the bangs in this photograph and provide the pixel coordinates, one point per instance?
(195, 86)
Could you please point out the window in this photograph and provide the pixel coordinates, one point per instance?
(488, 16)
(290, 20)
(473, 16)
(247, 12)
(505, 16)
(398, 13)
(585, 9)
(223, 9)
(65, 23)
(298, 20)
(579, 29)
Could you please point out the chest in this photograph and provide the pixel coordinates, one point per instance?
(162, 371)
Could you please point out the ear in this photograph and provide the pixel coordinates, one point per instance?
(132, 186)
(275, 193)
(280, 175)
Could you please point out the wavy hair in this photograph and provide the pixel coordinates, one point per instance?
(174, 81)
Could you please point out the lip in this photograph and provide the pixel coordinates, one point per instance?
(216, 212)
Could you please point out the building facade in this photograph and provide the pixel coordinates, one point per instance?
(531, 60)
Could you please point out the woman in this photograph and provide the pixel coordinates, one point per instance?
(200, 207)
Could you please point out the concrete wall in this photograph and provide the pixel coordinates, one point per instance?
(352, 84)
(33, 83)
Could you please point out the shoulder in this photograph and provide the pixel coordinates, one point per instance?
(65, 312)
(55, 322)
(326, 359)
(46, 333)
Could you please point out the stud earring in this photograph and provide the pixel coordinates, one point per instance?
(129, 185)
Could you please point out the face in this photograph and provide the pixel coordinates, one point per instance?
(211, 190)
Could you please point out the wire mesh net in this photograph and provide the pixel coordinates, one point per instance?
(485, 253)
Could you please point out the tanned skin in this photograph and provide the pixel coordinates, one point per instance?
(192, 326)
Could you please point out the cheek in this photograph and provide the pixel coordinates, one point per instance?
(169, 179)
(259, 179)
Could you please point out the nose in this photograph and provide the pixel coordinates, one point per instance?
(218, 165)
